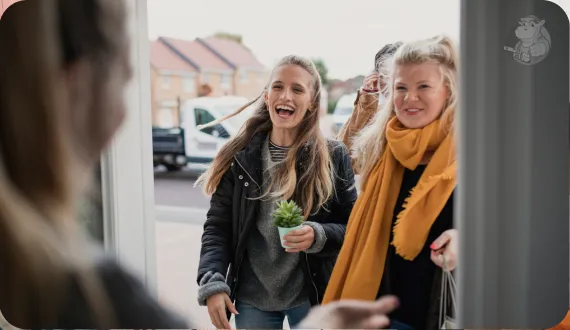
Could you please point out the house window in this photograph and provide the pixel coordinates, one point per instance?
(189, 84)
(226, 81)
(243, 76)
(165, 82)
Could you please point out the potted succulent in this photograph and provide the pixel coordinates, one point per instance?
(287, 217)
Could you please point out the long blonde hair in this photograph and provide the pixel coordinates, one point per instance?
(369, 145)
(316, 184)
(43, 160)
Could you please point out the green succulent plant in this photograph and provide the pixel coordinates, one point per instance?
(287, 215)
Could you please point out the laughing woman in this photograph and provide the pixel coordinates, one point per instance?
(279, 154)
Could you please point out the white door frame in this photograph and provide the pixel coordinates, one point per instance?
(127, 168)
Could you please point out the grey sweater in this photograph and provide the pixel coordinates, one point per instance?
(271, 279)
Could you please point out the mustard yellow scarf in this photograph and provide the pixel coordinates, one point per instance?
(360, 265)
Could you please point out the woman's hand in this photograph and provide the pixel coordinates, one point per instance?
(445, 247)
(217, 309)
(299, 239)
(371, 82)
(351, 314)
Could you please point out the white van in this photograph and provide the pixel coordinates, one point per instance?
(343, 111)
(201, 146)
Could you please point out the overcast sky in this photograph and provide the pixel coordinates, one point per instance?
(346, 34)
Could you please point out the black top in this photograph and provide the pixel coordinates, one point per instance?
(131, 305)
(412, 281)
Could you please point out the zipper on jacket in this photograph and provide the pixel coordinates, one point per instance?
(241, 259)
(311, 277)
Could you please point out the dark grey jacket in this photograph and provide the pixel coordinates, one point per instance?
(233, 212)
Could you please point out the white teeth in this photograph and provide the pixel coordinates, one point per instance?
(285, 107)
(413, 110)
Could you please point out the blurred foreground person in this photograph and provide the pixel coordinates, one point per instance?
(64, 67)
(65, 64)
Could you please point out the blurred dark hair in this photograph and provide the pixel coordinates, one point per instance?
(385, 52)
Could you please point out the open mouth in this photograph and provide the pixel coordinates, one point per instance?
(413, 111)
(284, 111)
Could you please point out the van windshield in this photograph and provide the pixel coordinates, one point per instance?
(343, 110)
(236, 121)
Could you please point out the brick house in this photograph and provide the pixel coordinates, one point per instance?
(172, 79)
(249, 75)
(180, 67)
(212, 70)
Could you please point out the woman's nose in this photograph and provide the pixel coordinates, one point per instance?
(286, 95)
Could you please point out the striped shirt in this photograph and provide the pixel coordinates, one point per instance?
(277, 153)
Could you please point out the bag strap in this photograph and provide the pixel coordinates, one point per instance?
(447, 280)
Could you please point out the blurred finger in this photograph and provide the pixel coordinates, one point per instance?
(376, 322)
(386, 304)
(436, 258)
(215, 319)
(300, 245)
(224, 319)
(440, 241)
(296, 232)
(230, 305)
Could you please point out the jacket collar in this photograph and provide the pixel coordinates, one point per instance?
(250, 156)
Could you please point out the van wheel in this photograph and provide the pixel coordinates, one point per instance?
(172, 168)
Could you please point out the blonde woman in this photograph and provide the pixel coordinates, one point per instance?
(401, 227)
(65, 64)
(280, 153)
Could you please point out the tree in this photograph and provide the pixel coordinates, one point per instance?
(231, 36)
(323, 70)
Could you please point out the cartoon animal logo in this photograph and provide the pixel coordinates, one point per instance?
(534, 41)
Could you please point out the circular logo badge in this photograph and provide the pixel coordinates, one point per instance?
(533, 41)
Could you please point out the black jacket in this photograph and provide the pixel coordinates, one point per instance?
(233, 213)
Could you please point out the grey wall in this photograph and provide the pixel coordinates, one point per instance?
(513, 210)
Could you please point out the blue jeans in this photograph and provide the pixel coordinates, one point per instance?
(250, 317)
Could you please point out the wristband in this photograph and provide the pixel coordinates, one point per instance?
(370, 90)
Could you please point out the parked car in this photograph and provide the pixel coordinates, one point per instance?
(343, 111)
(176, 147)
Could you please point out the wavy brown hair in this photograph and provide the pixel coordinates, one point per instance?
(311, 189)
(47, 150)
